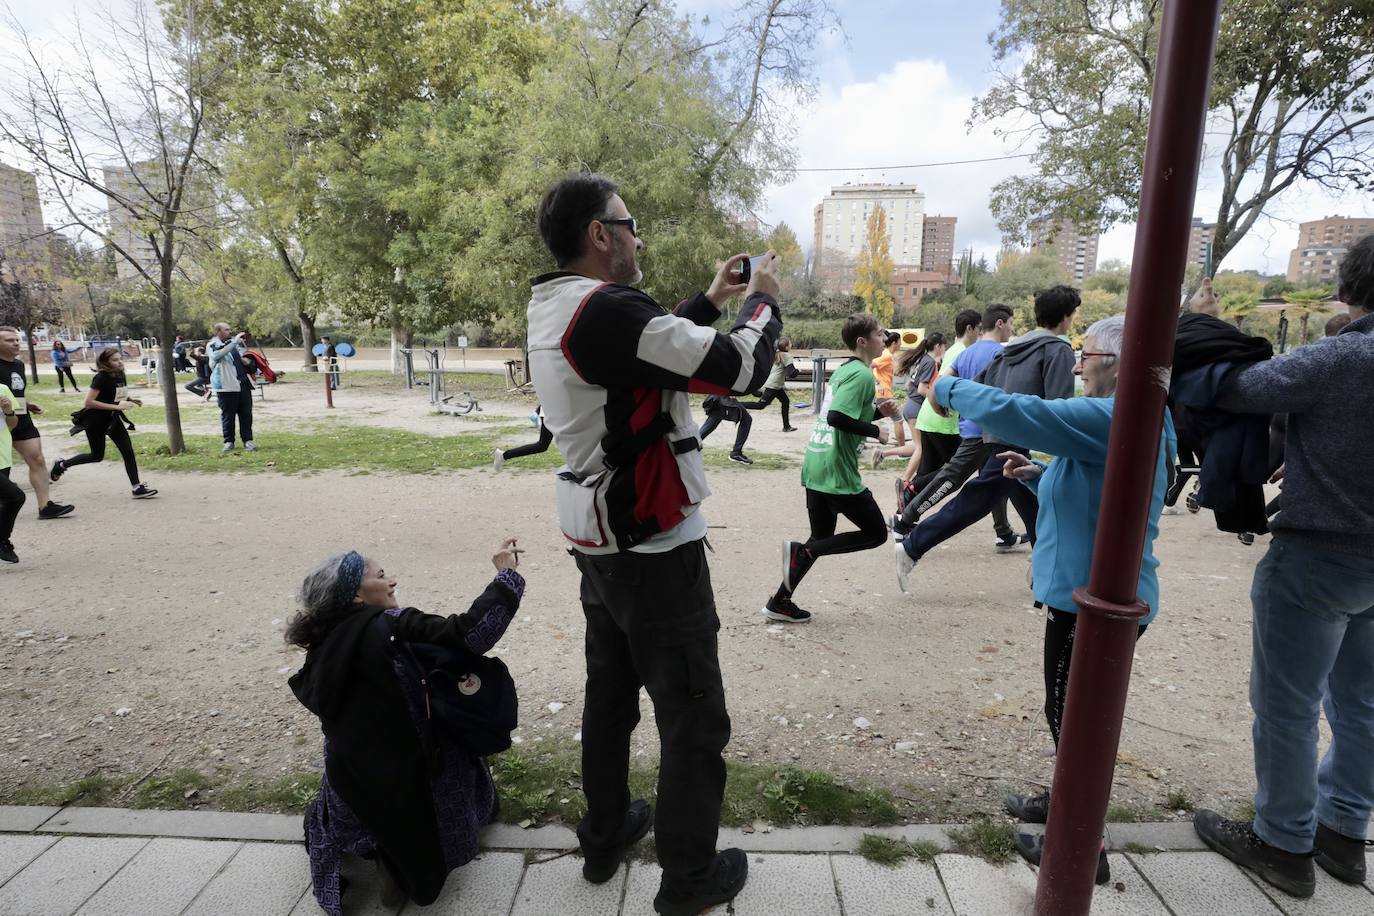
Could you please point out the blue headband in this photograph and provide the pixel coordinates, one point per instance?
(350, 578)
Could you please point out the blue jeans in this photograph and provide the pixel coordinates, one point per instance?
(1313, 647)
(236, 404)
(979, 497)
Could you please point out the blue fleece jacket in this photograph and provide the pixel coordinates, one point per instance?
(1075, 431)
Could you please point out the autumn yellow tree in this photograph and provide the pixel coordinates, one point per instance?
(873, 283)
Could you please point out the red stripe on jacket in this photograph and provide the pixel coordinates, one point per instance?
(659, 491)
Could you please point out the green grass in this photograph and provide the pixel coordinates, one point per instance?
(1120, 814)
(1178, 800)
(93, 791)
(891, 851)
(178, 789)
(994, 840)
(287, 794)
(1139, 849)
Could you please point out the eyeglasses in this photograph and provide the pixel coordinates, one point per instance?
(1086, 353)
(627, 221)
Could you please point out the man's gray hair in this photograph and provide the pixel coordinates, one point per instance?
(222, 324)
(1108, 335)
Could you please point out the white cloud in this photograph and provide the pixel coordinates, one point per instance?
(913, 113)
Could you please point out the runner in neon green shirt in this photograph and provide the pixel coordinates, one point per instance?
(830, 468)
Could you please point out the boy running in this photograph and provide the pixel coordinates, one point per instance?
(830, 469)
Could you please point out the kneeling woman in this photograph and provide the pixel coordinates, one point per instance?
(383, 795)
(102, 417)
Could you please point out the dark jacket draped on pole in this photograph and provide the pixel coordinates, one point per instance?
(1235, 447)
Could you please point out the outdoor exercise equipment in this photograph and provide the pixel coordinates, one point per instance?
(434, 369)
(151, 351)
(1109, 610)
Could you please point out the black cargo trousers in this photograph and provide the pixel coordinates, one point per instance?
(651, 622)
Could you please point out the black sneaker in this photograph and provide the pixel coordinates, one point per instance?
(1009, 542)
(741, 458)
(55, 510)
(796, 562)
(1290, 872)
(601, 868)
(7, 553)
(1191, 500)
(143, 491)
(785, 610)
(900, 529)
(1030, 809)
(1032, 847)
(59, 467)
(1246, 537)
(727, 880)
(1341, 856)
(789, 429)
(900, 486)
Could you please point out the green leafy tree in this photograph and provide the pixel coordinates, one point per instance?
(873, 283)
(1308, 302)
(1112, 276)
(1290, 96)
(1017, 280)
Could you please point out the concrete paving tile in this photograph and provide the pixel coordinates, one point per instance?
(1180, 837)
(876, 890)
(979, 888)
(1332, 898)
(1202, 884)
(164, 877)
(363, 897)
(788, 885)
(640, 889)
(263, 879)
(24, 818)
(18, 851)
(207, 825)
(1135, 898)
(61, 879)
(509, 836)
(487, 884)
(557, 888)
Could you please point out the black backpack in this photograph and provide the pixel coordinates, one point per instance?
(468, 697)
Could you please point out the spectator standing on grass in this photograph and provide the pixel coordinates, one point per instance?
(102, 417)
(1313, 603)
(62, 362)
(612, 368)
(26, 440)
(11, 497)
(830, 468)
(400, 787)
(1075, 431)
(232, 384)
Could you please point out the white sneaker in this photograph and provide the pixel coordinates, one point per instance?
(228, 447)
(1171, 510)
(904, 565)
(498, 459)
(249, 447)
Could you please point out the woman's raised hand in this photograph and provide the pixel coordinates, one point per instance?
(507, 554)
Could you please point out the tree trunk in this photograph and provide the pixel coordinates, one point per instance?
(308, 339)
(167, 379)
(402, 337)
(33, 355)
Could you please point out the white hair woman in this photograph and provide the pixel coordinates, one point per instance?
(1075, 432)
(393, 789)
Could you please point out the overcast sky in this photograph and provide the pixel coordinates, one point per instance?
(897, 91)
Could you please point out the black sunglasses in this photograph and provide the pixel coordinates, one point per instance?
(627, 221)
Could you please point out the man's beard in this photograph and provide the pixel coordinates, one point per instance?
(624, 270)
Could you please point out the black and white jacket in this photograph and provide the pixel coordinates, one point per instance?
(612, 369)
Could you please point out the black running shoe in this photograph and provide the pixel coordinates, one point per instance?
(7, 553)
(59, 467)
(741, 458)
(1029, 809)
(785, 610)
(143, 491)
(1290, 872)
(1010, 542)
(789, 429)
(1032, 848)
(55, 510)
(900, 528)
(727, 880)
(796, 562)
(598, 869)
(1191, 500)
(1341, 856)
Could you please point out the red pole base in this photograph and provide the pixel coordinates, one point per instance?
(328, 391)
(1099, 677)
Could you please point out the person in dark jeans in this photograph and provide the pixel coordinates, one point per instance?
(613, 368)
(718, 409)
(62, 362)
(233, 386)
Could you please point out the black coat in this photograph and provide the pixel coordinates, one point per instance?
(375, 760)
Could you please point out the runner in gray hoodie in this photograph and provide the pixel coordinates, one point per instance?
(1039, 363)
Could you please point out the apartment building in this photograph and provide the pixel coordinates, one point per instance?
(1322, 244)
(841, 223)
(1075, 248)
(22, 239)
(1200, 237)
(937, 244)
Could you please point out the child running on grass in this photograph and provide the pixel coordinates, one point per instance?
(830, 468)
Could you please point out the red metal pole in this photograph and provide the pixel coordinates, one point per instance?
(1109, 611)
(328, 391)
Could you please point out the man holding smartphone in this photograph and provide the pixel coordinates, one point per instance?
(613, 368)
(233, 387)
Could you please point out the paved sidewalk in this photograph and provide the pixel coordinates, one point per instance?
(111, 862)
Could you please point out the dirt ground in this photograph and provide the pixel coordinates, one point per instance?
(147, 634)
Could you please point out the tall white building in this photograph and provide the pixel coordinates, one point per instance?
(842, 223)
(22, 237)
(125, 230)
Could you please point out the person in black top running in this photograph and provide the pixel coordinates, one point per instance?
(726, 408)
(106, 402)
(538, 447)
(26, 440)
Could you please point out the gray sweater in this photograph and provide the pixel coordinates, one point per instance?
(1328, 495)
